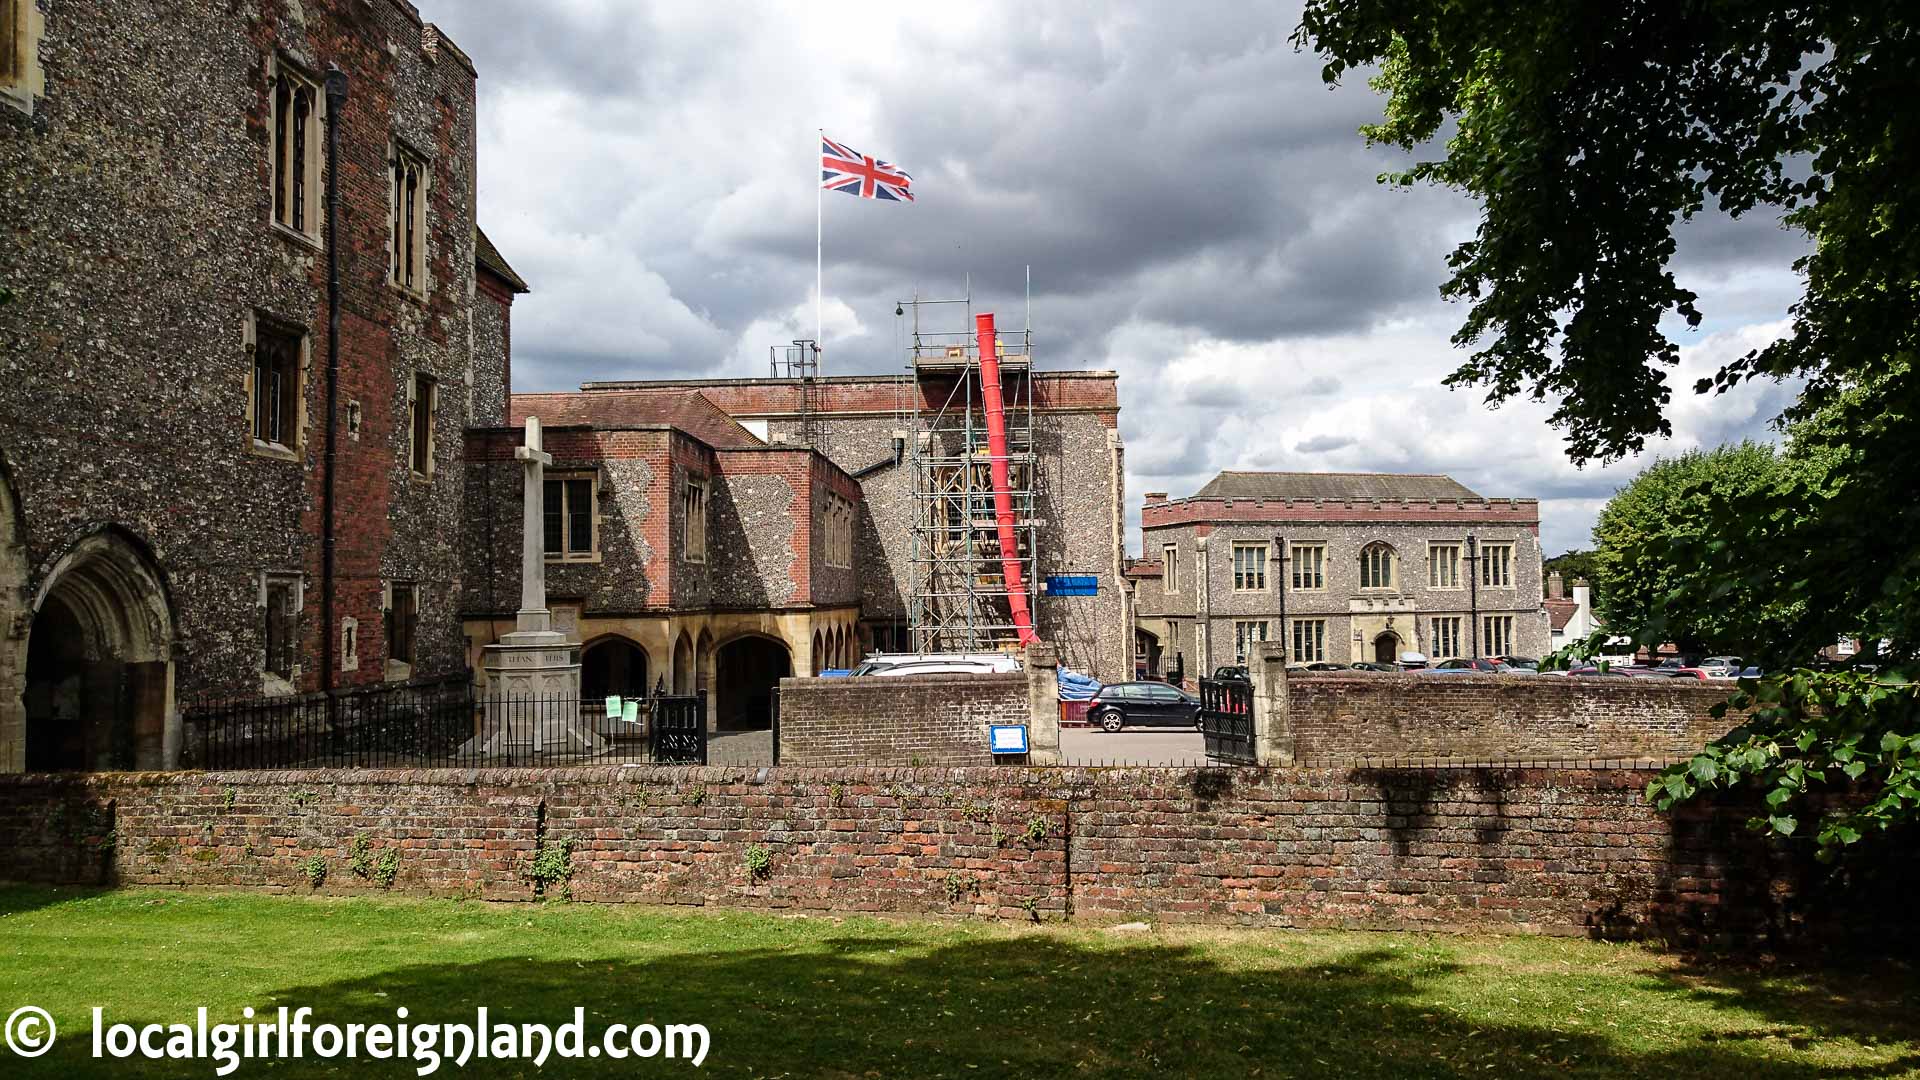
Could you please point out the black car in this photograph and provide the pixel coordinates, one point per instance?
(1232, 673)
(1152, 703)
(1482, 666)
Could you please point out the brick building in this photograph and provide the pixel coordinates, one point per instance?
(164, 369)
(683, 552)
(694, 542)
(1375, 565)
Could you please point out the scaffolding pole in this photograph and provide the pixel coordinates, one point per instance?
(960, 599)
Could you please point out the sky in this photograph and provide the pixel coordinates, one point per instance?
(1195, 207)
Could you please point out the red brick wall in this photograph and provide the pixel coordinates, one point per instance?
(1510, 717)
(1553, 851)
(903, 720)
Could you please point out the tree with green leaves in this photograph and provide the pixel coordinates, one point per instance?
(1661, 509)
(1572, 566)
(1589, 130)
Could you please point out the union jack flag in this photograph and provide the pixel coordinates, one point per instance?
(842, 169)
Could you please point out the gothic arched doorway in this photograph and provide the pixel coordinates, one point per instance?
(1386, 648)
(613, 665)
(99, 680)
(746, 672)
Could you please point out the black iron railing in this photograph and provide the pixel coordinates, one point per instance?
(1226, 720)
(444, 723)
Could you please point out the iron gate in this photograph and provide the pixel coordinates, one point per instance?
(1226, 719)
(679, 732)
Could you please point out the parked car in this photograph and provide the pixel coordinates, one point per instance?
(1520, 663)
(1232, 673)
(1368, 665)
(1327, 665)
(1586, 671)
(1120, 704)
(936, 664)
(1464, 666)
(1684, 673)
(1722, 667)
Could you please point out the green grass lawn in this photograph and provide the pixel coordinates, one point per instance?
(826, 996)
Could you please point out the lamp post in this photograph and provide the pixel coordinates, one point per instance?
(1280, 594)
(1473, 593)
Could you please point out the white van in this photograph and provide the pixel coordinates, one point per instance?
(983, 663)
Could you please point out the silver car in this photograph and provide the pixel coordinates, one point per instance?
(984, 663)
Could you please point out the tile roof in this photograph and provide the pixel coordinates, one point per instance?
(486, 255)
(688, 410)
(1144, 568)
(1559, 611)
(1308, 485)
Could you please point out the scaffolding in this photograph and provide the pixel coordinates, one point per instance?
(800, 361)
(959, 600)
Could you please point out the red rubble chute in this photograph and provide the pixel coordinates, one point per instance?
(1002, 494)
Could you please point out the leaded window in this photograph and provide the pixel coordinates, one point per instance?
(568, 518)
(1377, 566)
(296, 149)
(1250, 567)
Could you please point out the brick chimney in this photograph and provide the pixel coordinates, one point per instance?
(1156, 497)
(1556, 588)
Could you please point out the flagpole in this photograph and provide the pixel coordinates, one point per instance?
(819, 263)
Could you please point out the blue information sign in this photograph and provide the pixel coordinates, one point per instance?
(1073, 585)
(1007, 738)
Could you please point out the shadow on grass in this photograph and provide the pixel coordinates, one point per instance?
(1849, 996)
(1030, 1006)
(21, 899)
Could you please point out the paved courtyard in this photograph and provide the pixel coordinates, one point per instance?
(740, 748)
(1133, 746)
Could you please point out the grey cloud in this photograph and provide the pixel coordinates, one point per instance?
(1320, 444)
(1171, 167)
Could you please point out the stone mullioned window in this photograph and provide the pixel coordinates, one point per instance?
(1496, 637)
(407, 234)
(1496, 566)
(693, 520)
(1309, 567)
(296, 125)
(571, 518)
(1249, 567)
(1378, 569)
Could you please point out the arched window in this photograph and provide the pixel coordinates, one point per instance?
(1377, 566)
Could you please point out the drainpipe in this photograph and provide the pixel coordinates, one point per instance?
(336, 88)
(1280, 589)
(1473, 593)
